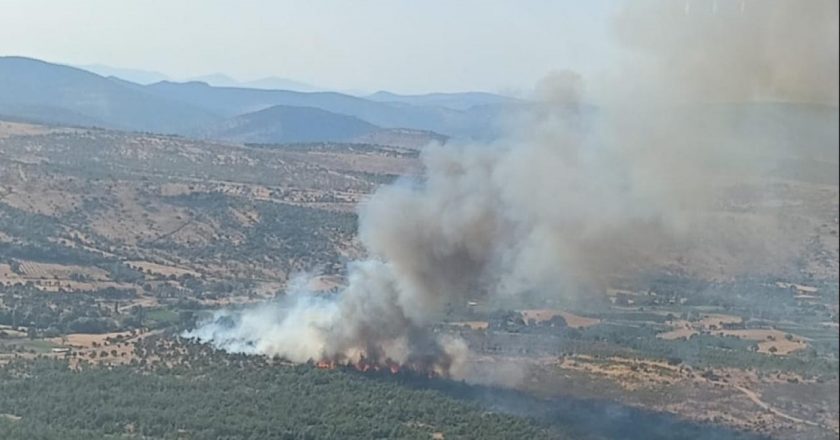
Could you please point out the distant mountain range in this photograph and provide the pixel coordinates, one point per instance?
(267, 83)
(38, 91)
(474, 123)
(455, 101)
(146, 77)
(138, 76)
(44, 92)
(53, 93)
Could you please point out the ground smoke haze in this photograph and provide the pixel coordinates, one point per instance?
(598, 181)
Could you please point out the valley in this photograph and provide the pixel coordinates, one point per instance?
(108, 238)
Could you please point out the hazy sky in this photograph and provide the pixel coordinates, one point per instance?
(399, 45)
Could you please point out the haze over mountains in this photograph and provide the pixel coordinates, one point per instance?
(146, 77)
(39, 91)
(269, 82)
(139, 76)
(456, 101)
(51, 93)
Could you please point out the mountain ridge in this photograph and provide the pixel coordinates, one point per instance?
(74, 96)
(31, 83)
(289, 124)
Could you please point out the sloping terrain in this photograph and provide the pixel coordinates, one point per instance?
(232, 101)
(106, 197)
(109, 232)
(284, 124)
(41, 92)
(59, 94)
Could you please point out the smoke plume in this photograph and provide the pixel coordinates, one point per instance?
(596, 181)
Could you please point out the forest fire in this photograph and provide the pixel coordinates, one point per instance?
(364, 366)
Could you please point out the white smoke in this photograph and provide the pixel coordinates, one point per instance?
(575, 196)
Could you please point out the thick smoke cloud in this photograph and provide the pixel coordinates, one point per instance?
(731, 50)
(591, 185)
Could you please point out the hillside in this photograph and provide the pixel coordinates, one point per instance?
(138, 76)
(38, 91)
(232, 101)
(268, 83)
(286, 124)
(57, 94)
(108, 235)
